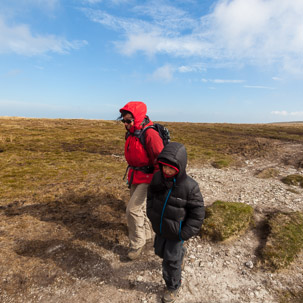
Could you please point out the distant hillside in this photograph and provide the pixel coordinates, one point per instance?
(289, 122)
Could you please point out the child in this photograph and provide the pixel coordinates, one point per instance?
(175, 208)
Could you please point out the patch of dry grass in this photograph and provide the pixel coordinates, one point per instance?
(285, 240)
(295, 179)
(268, 173)
(40, 153)
(291, 296)
(224, 143)
(225, 220)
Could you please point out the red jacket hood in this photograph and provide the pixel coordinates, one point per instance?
(138, 110)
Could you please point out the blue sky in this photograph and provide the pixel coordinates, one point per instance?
(237, 61)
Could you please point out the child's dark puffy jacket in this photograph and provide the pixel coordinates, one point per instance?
(175, 206)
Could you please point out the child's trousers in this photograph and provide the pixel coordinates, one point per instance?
(172, 253)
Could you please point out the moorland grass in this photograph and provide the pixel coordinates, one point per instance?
(226, 220)
(223, 142)
(291, 296)
(268, 173)
(222, 163)
(285, 240)
(36, 153)
(295, 179)
(40, 152)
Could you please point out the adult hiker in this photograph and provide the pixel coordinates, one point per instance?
(142, 164)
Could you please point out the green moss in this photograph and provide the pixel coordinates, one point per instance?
(285, 240)
(224, 220)
(221, 163)
(294, 179)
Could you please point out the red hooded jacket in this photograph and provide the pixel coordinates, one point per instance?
(135, 153)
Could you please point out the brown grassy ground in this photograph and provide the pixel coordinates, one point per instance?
(62, 194)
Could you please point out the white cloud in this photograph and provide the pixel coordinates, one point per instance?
(127, 25)
(227, 81)
(258, 28)
(247, 31)
(92, 1)
(115, 2)
(20, 40)
(259, 87)
(164, 72)
(222, 81)
(166, 17)
(22, 7)
(192, 68)
(153, 42)
(279, 112)
(286, 113)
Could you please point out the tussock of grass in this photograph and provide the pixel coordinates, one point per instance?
(267, 173)
(294, 179)
(285, 240)
(221, 163)
(224, 220)
(291, 297)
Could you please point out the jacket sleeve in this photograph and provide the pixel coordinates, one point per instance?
(154, 146)
(195, 214)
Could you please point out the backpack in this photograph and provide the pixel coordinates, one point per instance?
(162, 130)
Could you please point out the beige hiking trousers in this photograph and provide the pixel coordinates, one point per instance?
(139, 227)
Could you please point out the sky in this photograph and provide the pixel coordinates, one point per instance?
(226, 61)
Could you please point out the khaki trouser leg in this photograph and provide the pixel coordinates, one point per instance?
(139, 229)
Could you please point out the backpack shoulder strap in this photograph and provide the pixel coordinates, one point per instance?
(142, 134)
(137, 134)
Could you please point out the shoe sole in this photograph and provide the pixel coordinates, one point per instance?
(177, 294)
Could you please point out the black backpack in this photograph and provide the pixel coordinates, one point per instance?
(162, 130)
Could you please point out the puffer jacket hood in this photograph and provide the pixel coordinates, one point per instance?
(138, 110)
(175, 154)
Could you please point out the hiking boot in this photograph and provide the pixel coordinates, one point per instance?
(133, 254)
(183, 259)
(170, 295)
